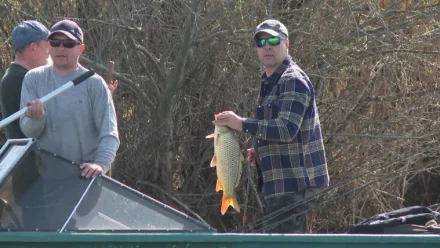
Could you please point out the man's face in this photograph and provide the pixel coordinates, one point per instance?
(40, 52)
(63, 56)
(272, 56)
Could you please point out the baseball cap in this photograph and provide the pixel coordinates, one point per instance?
(272, 27)
(68, 28)
(27, 32)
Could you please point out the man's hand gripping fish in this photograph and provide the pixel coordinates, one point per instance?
(227, 158)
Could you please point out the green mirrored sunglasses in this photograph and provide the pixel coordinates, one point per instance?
(273, 41)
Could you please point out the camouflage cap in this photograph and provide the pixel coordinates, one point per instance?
(272, 27)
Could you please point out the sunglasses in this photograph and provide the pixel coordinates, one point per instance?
(273, 41)
(66, 43)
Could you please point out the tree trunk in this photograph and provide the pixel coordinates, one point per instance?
(164, 111)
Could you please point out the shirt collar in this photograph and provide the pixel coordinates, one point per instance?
(273, 79)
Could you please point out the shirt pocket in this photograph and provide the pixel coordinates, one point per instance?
(268, 111)
(68, 107)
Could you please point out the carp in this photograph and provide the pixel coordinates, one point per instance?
(227, 159)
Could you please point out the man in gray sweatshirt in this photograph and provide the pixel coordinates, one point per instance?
(81, 123)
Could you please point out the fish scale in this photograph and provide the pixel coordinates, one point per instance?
(228, 145)
(227, 159)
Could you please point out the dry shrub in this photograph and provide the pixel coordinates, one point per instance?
(374, 65)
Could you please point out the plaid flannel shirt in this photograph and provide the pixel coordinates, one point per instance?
(287, 133)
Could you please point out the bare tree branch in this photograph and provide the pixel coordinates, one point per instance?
(102, 69)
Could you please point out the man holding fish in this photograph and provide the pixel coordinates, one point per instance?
(287, 140)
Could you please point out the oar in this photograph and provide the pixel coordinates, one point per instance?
(49, 96)
(108, 79)
(111, 67)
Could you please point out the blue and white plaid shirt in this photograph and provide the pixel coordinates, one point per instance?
(287, 132)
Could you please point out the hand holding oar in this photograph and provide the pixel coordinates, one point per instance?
(112, 85)
(47, 97)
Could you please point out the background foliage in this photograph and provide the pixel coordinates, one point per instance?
(374, 64)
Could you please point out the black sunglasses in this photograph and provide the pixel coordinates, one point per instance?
(273, 41)
(66, 43)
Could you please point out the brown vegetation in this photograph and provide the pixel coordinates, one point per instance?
(375, 66)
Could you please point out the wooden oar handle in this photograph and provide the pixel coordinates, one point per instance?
(108, 79)
(111, 67)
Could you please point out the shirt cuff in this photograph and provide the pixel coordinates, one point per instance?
(250, 126)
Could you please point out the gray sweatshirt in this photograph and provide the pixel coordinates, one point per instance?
(80, 124)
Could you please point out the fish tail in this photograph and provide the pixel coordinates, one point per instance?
(232, 201)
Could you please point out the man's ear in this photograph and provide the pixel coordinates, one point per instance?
(32, 46)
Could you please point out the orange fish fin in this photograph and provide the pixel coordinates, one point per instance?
(226, 202)
(213, 161)
(218, 186)
(235, 204)
(211, 136)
